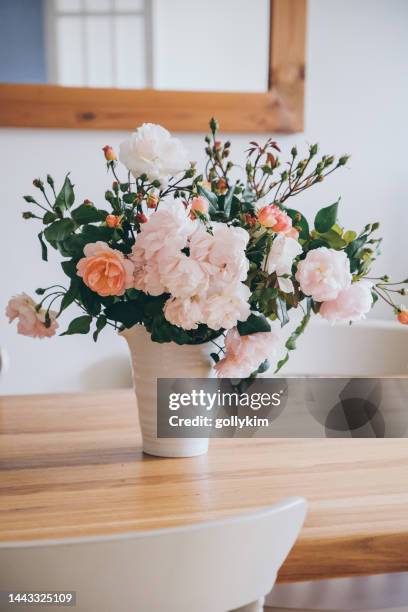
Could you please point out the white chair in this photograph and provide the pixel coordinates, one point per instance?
(216, 566)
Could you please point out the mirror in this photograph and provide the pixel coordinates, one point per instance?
(159, 44)
(176, 46)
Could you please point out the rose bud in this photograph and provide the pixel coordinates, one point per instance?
(403, 317)
(275, 218)
(152, 200)
(141, 217)
(271, 159)
(88, 202)
(110, 154)
(217, 145)
(113, 221)
(198, 204)
(249, 219)
(222, 185)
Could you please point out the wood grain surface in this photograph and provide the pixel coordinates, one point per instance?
(71, 465)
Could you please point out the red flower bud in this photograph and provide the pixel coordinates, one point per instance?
(152, 200)
(249, 219)
(403, 317)
(141, 217)
(110, 154)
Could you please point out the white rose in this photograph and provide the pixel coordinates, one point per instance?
(222, 252)
(183, 313)
(167, 229)
(225, 308)
(324, 273)
(351, 304)
(151, 150)
(182, 275)
(280, 259)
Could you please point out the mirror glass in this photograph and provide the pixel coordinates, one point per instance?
(191, 45)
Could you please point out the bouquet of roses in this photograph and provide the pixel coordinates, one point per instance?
(199, 257)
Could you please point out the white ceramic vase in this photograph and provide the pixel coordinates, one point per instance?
(153, 360)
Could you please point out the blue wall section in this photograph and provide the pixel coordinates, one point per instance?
(22, 52)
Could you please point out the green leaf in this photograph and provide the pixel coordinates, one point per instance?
(49, 217)
(80, 325)
(100, 324)
(93, 233)
(128, 313)
(282, 311)
(281, 363)
(90, 300)
(88, 214)
(209, 195)
(129, 198)
(326, 218)
(299, 221)
(70, 295)
(253, 324)
(69, 268)
(333, 239)
(74, 245)
(59, 230)
(228, 200)
(265, 365)
(291, 341)
(66, 197)
(44, 250)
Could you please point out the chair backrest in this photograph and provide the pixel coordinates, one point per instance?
(207, 567)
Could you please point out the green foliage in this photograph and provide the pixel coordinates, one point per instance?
(65, 197)
(326, 218)
(80, 325)
(44, 250)
(59, 230)
(128, 313)
(101, 322)
(254, 323)
(299, 222)
(88, 214)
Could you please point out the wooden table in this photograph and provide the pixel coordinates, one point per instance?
(72, 465)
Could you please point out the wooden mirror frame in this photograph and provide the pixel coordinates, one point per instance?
(280, 109)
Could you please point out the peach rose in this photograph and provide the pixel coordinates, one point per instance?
(275, 218)
(30, 322)
(403, 317)
(200, 205)
(104, 270)
(113, 221)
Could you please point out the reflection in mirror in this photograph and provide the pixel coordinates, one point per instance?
(160, 44)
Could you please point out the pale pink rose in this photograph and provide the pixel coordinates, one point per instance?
(104, 270)
(226, 306)
(280, 259)
(184, 313)
(222, 252)
(182, 275)
(153, 151)
(324, 273)
(168, 228)
(351, 304)
(30, 322)
(275, 218)
(244, 354)
(199, 204)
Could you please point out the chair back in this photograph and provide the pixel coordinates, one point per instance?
(206, 567)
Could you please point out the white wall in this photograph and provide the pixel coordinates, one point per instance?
(357, 101)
